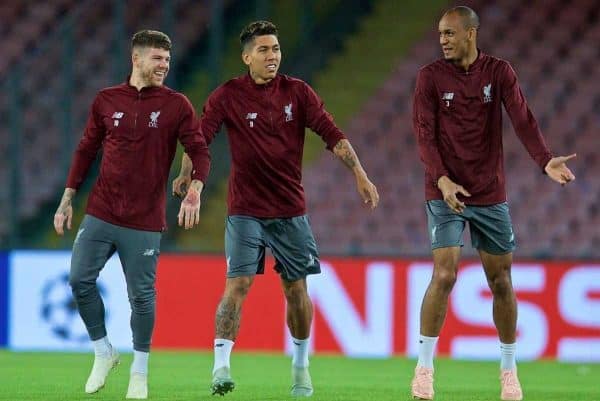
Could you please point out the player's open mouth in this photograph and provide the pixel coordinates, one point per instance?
(160, 74)
(271, 67)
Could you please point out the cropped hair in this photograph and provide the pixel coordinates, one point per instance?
(469, 17)
(256, 28)
(150, 38)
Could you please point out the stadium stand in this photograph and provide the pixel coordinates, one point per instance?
(37, 54)
(553, 47)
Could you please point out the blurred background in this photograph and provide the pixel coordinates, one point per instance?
(362, 57)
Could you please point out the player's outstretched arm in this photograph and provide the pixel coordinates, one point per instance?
(557, 169)
(182, 182)
(189, 212)
(64, 213)
(449, 189)
(343, 149)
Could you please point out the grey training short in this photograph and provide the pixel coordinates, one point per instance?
(290, 239)
(490, 226)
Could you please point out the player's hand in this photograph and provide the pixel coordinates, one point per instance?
(449, 190)
(367, 191)
(64, 213)
(557, 169)
(189, 213)
(181, 185)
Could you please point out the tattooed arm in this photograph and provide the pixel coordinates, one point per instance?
(182, 182)
(343, 149)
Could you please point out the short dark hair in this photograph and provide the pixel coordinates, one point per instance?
(257, 28)
(150, 38)
(469, 17)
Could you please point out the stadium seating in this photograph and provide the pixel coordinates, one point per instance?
(556, 68)
(35, 49)
(552, 45)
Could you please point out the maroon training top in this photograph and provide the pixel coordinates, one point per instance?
(138, 133)
(265, 127)
(457, 118)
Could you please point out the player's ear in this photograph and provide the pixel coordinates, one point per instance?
(246, 57)
(135, 56)
(472, 33)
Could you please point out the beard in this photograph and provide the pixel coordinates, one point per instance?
(150, 79)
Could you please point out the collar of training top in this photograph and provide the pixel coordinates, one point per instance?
(250, 81)
(473, 67)
(145, 89)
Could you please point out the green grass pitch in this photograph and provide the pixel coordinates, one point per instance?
(186, 376)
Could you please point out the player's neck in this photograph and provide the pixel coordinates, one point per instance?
(137, 81)
(469, 59)
(258, 80)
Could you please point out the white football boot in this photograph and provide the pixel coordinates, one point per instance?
(301, 383)
(102, 366)
(138, 386)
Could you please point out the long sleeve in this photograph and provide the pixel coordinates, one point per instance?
(522, 119)
(424, 124)
(88, 147)
(190, 136)
(213, 115)
(319, 120)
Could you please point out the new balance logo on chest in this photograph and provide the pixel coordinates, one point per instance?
(117, 116)
(251, 117)
(447, 97)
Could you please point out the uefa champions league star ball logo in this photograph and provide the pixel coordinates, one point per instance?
(59, 310)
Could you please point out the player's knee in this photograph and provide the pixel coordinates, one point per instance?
(75, 283)
(500, 284)
(237, 291)
(81, 288)
(444, 279)
(296, 294)
(143, 301)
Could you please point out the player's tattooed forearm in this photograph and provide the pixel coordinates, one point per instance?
(186, 165)
(349, 160)
(67, 196)
(227, 320)
(65, 201)
(346, 153)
